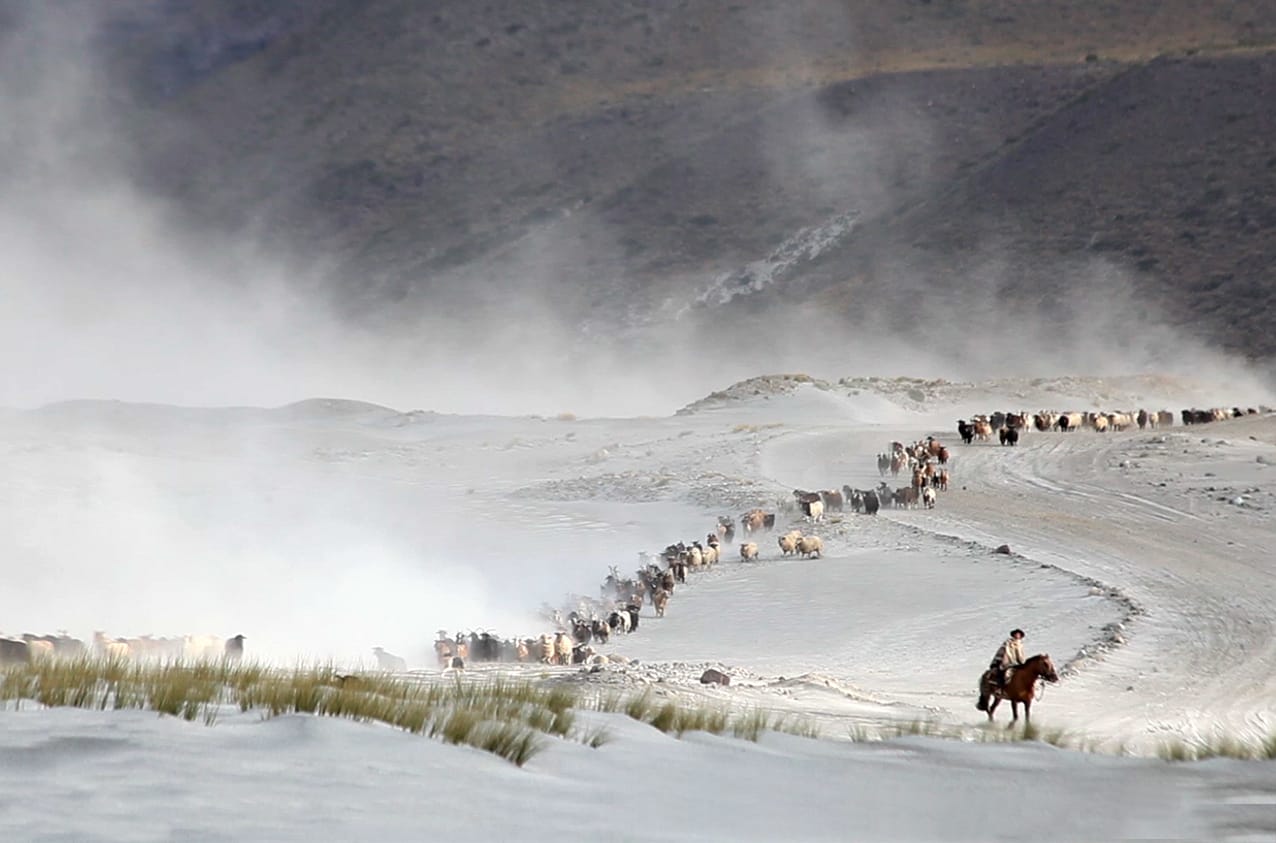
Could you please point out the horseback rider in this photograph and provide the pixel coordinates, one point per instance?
(1009, 656)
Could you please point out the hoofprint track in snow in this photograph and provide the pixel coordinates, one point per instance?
(1141, 561)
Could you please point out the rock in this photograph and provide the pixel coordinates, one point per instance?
(1003, 549)
(714, 677)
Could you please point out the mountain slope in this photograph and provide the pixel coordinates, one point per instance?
(633, 158)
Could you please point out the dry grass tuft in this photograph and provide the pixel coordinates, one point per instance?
(501, 717)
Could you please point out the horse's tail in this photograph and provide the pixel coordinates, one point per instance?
(985, 692)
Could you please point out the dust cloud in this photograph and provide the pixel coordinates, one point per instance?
(154, 519)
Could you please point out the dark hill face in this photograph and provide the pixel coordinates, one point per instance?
(1166, 170)
(631, 161)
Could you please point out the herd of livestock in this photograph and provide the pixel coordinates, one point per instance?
(30, 647)
(617, 610)
(1008, 426)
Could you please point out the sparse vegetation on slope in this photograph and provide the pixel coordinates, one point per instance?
(510, 719)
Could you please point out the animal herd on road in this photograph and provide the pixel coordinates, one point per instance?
(617, 611)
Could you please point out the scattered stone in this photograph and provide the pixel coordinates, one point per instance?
(1003, 549)
(714, 677)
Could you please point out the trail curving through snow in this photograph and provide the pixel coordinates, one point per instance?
(1199, 658)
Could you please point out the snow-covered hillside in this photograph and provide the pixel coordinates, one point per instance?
(1141, 561)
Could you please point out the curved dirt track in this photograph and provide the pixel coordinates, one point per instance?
(1199, 656)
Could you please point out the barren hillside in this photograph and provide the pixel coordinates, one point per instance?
(634, 157)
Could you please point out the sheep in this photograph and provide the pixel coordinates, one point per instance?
(389, 661)
(618, 621)
(928, 497)
(694, 556)
(813, 510)
(752, 521)
(660, 601)
(522, 652)
(788, 543)
(562, 648)
(709, 556)
(748, 551)
(14, 652)
(107, 648)
(547, 649)
(38, 648)
(234, 647)
(444, 649)
(1119, 421)
(810, 546)
(1070, 421)
(725, 528)
(199, 647)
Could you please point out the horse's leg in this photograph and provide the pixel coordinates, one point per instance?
(1014, 709)
(992, 706)
(1027, 706)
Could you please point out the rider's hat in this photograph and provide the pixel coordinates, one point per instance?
(1015, 632)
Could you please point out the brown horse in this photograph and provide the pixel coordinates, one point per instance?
(1020, 689)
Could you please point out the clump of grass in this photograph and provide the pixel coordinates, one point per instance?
(677, 719)
(665, 719)
(640, 707)
(1177, 749)
(801, 727)
(751, 724)
(500, 717)
(514, 743)
(596, 738)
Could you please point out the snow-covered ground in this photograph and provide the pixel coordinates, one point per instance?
(326, 528)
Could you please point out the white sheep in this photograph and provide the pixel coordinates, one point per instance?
(201, 647)
(38, 648)
(389, 661)
(563, 647)
(748, 551)
(810, 546)
(789, 542)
